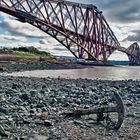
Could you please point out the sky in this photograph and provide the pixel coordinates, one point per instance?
(123, 17)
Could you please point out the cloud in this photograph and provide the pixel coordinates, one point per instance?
(122, 56)
(43, 41)
(123, 16)
(58, 48)
(135, 37)
(121, 11)
(15, 27)
(13, 38)
(53, 47)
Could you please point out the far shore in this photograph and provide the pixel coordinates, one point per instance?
(12, 66)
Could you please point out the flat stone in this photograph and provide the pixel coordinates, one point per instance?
(39, 122)
(42, 116)
(48, 123)
(128, 103)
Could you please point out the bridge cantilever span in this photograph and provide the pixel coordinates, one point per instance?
(81, 28)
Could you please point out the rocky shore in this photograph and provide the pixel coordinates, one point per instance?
(37, 65)
(29, 108)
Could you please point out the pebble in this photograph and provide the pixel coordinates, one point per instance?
(38, 137)
(42, 116)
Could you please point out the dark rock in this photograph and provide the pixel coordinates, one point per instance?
(33, 93)
(44, 86)
(42, 92)
(22, 138)
(138, 96)
(25, 96)
(38, 122)
(54, 100)
(78, 101)
(32, 111)
(3, 110)
(15, 86)
(3, 69)
(25, 121)
(48, 123)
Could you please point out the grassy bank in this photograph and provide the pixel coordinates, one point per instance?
(26, 54)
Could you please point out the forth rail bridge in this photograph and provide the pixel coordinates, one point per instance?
(81, 28)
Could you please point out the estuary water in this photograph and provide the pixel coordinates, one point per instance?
(95, 72)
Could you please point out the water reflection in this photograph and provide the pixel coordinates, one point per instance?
(107, 73)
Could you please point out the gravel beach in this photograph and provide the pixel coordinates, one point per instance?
(37, 65)
(29, 109)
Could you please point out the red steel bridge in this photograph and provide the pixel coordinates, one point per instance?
(81, 28)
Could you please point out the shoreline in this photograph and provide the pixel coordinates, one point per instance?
(68, 70)
(13, 66)
(37, 65)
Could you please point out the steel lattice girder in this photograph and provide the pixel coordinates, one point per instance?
(81, 28)
(134, 50)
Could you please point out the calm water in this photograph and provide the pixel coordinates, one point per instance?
(109, 73)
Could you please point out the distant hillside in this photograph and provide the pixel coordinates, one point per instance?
(27, 54)
(24, 54)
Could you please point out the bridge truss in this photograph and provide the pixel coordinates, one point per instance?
(81, 28)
